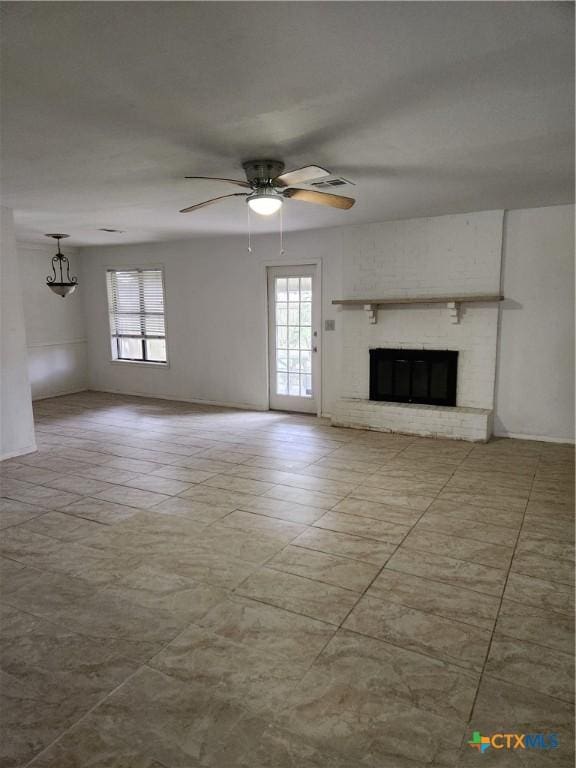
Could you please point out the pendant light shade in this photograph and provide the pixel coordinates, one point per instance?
(65, 285)
(62, 289)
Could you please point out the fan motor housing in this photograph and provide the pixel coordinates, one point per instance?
(261, 172)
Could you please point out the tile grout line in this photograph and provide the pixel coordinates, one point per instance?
(508, 571)
(83, 717)
(360, 595)
(383, 566)
(397, 548)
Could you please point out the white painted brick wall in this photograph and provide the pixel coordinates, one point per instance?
(447, 255)
(424, 256)
(473, 424)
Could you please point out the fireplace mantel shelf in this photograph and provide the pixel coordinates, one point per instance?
(452, 302)
(421, 300)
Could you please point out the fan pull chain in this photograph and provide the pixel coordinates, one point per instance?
(282, 251)
(249, 233)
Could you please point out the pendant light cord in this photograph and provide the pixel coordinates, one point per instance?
(249, 232)
(282, 251)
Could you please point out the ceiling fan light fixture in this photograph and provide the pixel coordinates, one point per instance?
(265, 202)
(269, 185)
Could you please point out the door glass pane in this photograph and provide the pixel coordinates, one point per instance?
(305, 385)
(281, 383)
(305, 289)
(419, 378)
(294, 337)
(281, 289)
(293, 360)
(294, 384)
(439, 380)
(293, 289)
(402, 378)
(281, 337)
(293, 334)
(305, 338)
(293, 314)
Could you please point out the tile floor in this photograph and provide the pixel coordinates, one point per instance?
(186, 586)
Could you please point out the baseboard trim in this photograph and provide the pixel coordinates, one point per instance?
(21, 452)
(192, 400)
(537, 438)
(60, 393)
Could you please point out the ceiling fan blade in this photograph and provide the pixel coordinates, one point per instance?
(322, 198)
(212, 200)
(300, 175)
(216, 178)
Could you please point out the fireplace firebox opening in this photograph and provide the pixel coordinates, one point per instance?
(414, 376)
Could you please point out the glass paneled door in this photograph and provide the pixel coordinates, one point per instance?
(293, 338)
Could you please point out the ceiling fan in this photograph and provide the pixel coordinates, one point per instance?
(269, 186)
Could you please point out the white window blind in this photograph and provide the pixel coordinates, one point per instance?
(136, 307)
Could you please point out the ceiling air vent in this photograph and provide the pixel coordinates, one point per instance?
(104, 229)
(334, 181)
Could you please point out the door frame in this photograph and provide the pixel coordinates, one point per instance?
(317, 263)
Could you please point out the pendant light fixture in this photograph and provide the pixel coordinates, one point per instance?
(62, 287)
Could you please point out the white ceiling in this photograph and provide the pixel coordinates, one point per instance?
(430, 108)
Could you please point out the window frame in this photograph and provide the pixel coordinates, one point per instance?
(114, 340)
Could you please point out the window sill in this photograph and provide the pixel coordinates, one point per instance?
(147, 363)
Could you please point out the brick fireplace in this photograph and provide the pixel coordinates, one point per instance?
(402, 293)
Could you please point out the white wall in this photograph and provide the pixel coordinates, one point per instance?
(16, 421)
(55, 331)
(215, 314)
(216, 300)
(213, 319)
(535, 392)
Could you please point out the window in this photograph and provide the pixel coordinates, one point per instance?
(136, 306)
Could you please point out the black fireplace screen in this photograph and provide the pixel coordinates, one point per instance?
(413, 376)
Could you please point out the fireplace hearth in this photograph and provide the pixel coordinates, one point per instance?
(414, 376)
